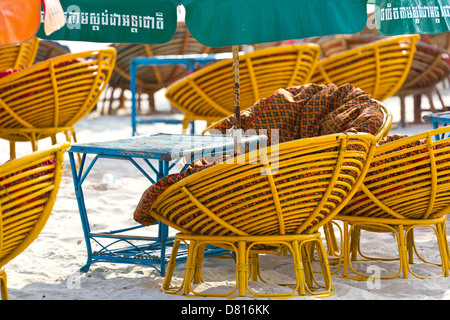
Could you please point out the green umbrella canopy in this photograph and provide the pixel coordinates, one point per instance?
(412, 16)
(219, 23)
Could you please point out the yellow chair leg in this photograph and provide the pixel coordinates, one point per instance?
(12, 149)
(325, 269)
(346, 249)
(355, 237)
(332, 245)
(3, 288)
(199, 264)
(253, 265)
(299, 270)
(185, 124)
(190, 267)
(171, 267)
(403, 251)
(410, 246)
(241, 266)
(33, 140)
(308, 276)
(445, 252)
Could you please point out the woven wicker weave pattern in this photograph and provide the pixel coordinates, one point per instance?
(49, 49)
(412, 170)
(51, 96)
(207, 94)
(28, 189)
(302, 186)
(150, 79)
(378, 68)
(18, 56)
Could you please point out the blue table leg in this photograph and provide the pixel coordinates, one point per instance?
(76, 175)
(133, 68)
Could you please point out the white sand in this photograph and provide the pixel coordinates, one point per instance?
(49, 268)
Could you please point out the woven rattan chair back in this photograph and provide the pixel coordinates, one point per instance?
(227, 198)
(51, 96)
(378, 68)
(289, 195)
(407, 185)
(150, 79)
(28, 189)
(429, 67)
(18, 56)
(408, 179)
(49, 49)
(207, 94)
(441, 40)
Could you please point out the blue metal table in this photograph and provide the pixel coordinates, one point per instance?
(189, 61)
(436, 119)
(167, 150)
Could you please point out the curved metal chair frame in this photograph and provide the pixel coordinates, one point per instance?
(207, 94)
(407, 186)
(29, 186)
(18, 56)
(379, 68)
(51, 96)
(267, 201)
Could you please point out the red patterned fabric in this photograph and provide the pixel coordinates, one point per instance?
(310, 111)
(7, 72)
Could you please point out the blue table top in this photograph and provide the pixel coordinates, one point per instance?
(162, 146)
(438, 117)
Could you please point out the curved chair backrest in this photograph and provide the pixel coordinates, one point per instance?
(379, 68)
(157, 76)
(18, 56)
(54, 93)
(441, 40)
(408, 178)
(336, 44)
(427, 68)
(28, 189)
(208, 92)
(387, 123)
(297, 188)
(49, 49)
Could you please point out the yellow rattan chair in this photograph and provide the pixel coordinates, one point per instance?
(207, 94)
(28, 189)
(51, 96)
(406, 187)
(270, 200)
(428, 68)
(333, 248)
(379, 68)
(19, 55)
(150, 79)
